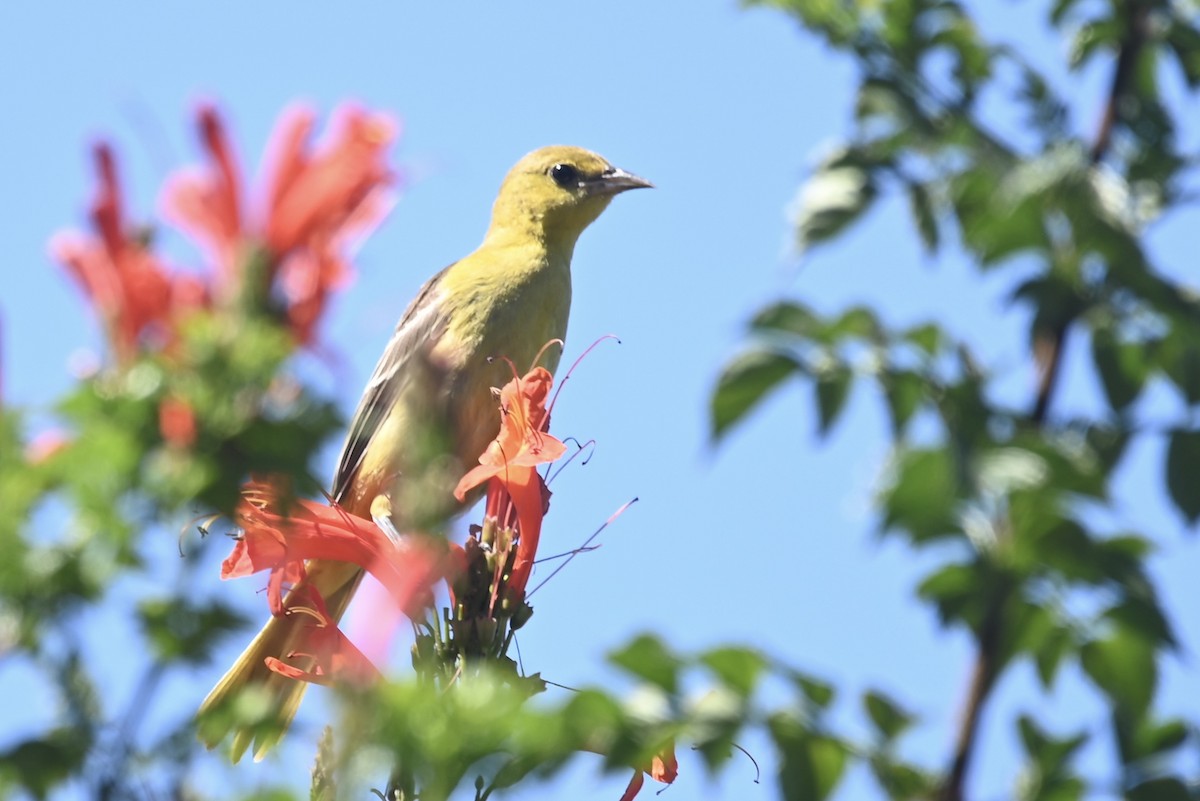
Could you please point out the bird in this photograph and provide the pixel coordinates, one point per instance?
(428, 410)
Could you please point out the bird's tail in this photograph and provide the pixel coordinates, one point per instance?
(336, 583)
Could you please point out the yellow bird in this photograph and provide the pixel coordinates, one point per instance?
(428, 411)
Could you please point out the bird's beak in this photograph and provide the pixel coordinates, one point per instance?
(614, 180)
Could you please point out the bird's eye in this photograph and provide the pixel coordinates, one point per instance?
(564, 175)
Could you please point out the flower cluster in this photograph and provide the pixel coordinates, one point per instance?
(281, 541)
(288, 248)
(487, 577)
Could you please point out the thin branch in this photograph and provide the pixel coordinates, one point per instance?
(1048, 353)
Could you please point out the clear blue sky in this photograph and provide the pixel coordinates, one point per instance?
(767, 541)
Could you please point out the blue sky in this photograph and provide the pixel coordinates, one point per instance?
(767, 540)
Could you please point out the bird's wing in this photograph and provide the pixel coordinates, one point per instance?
(421, 323)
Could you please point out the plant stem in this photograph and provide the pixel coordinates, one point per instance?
(1048, 352)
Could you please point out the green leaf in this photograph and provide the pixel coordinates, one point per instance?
(835, 196)
(995, 225)
(1122, 366)
(904, 391)
(1180, 359)
(1139, 611)
(1184, 39)
(786, 317)
(923, 495)
(889, 719)
(738, 668)
(1090, 38)
(1154, 739)
(1161, 789)
(859, 322)
(832, 389)
(817, 692)
(811, 765)
(1123, 665)
(1051, 754)
(902, 782)
(921, 206)
(744, 383)
(649, 659)
(40, 765)
(1183, 472)
(1058, 643)
(929, 337)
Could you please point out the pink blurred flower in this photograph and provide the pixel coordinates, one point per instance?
(316, 202)
(132, 291)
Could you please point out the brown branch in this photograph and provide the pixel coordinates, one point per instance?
(983, 674)
(1137, 32)
(1048, 353)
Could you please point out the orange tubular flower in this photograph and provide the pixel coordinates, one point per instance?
(333, 656)
(207, 205)
(510, 465)
(131, 290)
(318, 204)
(314, 206)
(282, 543)
(663, 768)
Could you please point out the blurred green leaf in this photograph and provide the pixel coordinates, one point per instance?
(953, 589)
(904, 392)
(1161, 789)
(1057, 645)
(1123, 665)
(1153, 738)
(738, 668)
(1183, 472)
(923, 496)
(815, 691)
(40, 765)
(832, 389)
(744, 383)
(1049, 753)
(1122, 366)
(786, 317)
(1184, 40)
(1091, 38)
(648, 658)
(836, 195)
(902, 782)
(889, 719)
(921, 206)
(811, 764)
(1180, 359)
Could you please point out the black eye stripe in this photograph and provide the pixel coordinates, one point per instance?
(565, 175)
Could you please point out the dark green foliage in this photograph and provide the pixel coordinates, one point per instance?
(1021, 494)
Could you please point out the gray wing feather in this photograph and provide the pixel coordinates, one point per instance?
(422, 322)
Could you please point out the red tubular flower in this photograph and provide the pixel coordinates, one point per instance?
(131, 290)
(510, 465)
(663, 768)
(282, 543)
(206, 204)
(314, 206)
(318, 204)
(333, 656)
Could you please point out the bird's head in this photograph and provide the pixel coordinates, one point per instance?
(555, 192)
